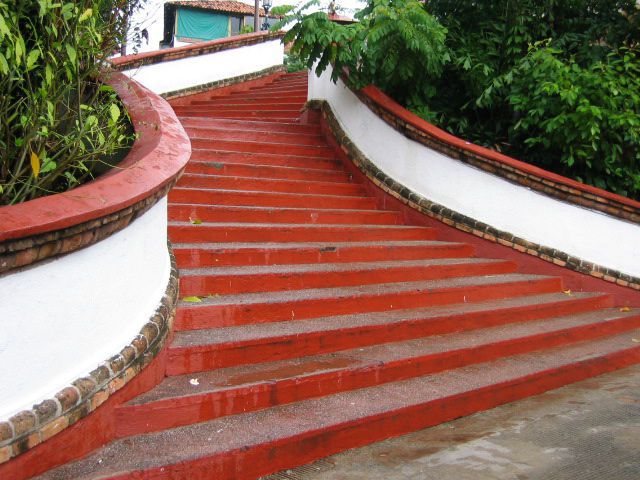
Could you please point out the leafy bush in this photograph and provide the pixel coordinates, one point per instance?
(585, 118)
(59, 125)
(392, 41)
(553, 83)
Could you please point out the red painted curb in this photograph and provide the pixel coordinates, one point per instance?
(157, 157)
(376, 96)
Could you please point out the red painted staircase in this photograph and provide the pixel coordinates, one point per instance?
(323, 322)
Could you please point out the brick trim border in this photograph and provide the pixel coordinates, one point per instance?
(25, 251)
(515, 171)
(455, 219)
(29, 428)
(201, 48)
(226, 82)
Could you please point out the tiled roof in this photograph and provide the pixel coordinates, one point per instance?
(334, 17)
(229, 6)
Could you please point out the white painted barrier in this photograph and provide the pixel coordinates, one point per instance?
(572, 229)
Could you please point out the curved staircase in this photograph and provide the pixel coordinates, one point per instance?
(312, 321)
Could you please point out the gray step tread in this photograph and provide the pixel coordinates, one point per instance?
(294, 422)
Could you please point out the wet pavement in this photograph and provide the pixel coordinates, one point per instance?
(586, 431)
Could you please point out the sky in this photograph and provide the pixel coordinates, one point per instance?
(152, 19)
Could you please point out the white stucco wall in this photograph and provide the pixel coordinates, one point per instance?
(192, 71)
(587, 234)
(64, 317)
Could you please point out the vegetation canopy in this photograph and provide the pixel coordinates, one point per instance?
(555, 83)
(59, 125)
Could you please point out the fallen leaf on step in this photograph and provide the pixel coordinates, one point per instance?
(635, 340)
(195, 221)
(194, 382)
(192, 299)
(625, 309)
(567, 292)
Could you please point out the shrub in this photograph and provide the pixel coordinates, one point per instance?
(581, 121)
(59, 125)
(569, 104)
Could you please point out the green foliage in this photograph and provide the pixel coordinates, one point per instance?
(393, 42)
(293, 63)
(587, 119)
(246, 29)
(58, 124)
(551, 82)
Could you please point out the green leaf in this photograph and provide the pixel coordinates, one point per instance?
(192, 299)
(71, 52)
(85, 15)
(114, 111)
(32, 58)
(4, 66)
(195, 221)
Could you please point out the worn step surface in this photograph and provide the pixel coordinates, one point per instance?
(227, 385)
(312, 321)
(227, 254)
(253, 444)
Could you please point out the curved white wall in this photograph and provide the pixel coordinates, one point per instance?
(64, 317)
(198, 70)
(587, 234)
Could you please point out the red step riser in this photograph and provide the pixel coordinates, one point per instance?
(213, 233)
(212, 316)
(203, 285)
(279, 92)
(257, 171)
(209, 406)
(263, 147)
(244, 100)
(266, 97)
(256, 136)
(263, 459)
(202, 358)
(232, 125)
(265, 199)
(266, 185)
(182, 213)
(229, 106)
(191, 258)
(248, 233)
(284, 115)
(239, 158)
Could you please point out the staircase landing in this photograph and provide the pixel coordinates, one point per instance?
(313, 321)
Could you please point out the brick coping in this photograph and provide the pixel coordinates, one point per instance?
(29, 428)
(457, 220)
(516, 171)
(201, 48)
(64, 222)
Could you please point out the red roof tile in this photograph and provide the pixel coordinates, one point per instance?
(229, 6)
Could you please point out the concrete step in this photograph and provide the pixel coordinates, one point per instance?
(205, 281)
(231, 106)
(268, 199)
(267, 171)
(249, 445)
(238, 124)
(225, 182)
(253, 135)
(236, 254)
(262, 147)
(283, 232)
(257, 378)
(182, 212)
(269, 159)
(254, 308)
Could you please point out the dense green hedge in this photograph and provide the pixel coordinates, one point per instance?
(554, 83)
(59, 125)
